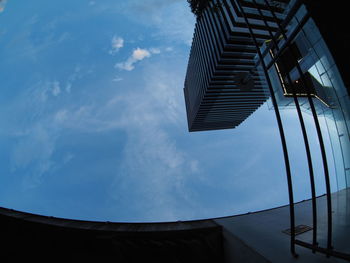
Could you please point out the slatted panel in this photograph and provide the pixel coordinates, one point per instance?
(222, 54)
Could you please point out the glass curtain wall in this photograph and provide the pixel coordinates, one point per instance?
(308, 49)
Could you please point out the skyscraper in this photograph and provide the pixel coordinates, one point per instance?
(245, 52)
(223, 86)
(224, 83)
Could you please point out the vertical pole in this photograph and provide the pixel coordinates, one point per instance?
(320, 139)
(302, 125)
(282, 135)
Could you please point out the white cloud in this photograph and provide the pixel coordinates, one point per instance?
(194, 166)
(42, 90)
(154, 50)
(163, 87)
(172, 18)
(153, 164)
(69, 87)
(116, 43)
(140, 54)
(34, 147)
(137, 55)
(117, 79)
(127, 65)
(76, 75)
(56, 90)
(2, 5)
(61, 115)
(152, 156)
(68, 157)
(177, 24)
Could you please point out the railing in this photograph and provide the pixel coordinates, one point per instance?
(275, 51)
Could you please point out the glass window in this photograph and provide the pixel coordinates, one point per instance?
(311, 31)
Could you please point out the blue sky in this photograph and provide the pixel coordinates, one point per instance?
(93, 121)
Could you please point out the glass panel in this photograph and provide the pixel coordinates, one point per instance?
(301, 13)
(336, 151)
(312, 32)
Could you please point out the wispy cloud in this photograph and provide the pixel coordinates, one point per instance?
(152, 162)
(116, 44)
(56, 89)
(117, 79)
(173, 20)
(138, 54)
(69, 87)
(155, 50)
(2, 5)
(32, 154)
(178, 25)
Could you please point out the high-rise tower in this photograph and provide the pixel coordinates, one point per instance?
(223, 86)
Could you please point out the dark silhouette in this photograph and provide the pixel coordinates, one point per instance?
(42, 237)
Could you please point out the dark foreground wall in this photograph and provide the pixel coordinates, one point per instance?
(250, 238)
(34, 236)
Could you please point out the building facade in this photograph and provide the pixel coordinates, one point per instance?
(291, 54)
(222, 85)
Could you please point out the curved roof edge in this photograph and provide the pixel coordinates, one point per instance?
(123, 226)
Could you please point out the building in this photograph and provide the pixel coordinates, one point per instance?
(222, 85)
(291, 53)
